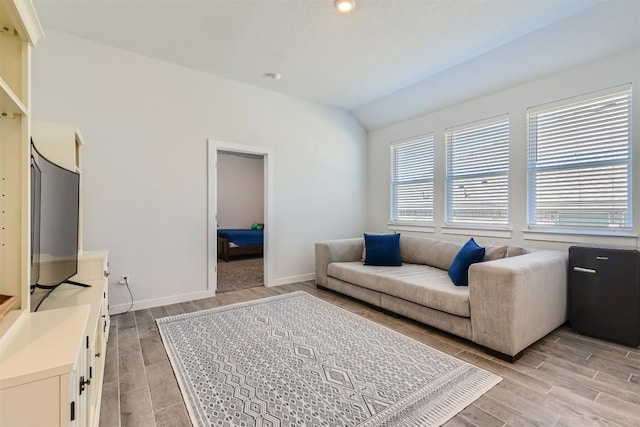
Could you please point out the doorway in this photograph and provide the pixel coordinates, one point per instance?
(223, 157)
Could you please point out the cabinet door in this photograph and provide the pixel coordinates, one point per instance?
(70, 411)
(604, 293)
(15, 399)
(106, 319)
(76, 408)
(96, 372)
(105, 304)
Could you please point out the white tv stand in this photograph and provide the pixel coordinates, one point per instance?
(54, 359)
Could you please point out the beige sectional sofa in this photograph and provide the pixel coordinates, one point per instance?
(509, 304)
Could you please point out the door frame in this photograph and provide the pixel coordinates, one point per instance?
(213, 146)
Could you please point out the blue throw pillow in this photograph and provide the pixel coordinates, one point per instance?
(382, 249)
(459, 270)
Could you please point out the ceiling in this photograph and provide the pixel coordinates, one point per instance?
(377, 62)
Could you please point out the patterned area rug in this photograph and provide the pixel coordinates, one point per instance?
(295, 360)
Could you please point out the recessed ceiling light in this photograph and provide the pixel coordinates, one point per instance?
(273, 76)
(344, 6)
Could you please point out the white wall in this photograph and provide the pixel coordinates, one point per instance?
(146, 122)
(603, 74)
(240, 191)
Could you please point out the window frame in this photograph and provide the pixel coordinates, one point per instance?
(532, 137)
(429, 140)
(451, 177)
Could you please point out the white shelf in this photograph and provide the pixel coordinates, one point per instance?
(9, 101)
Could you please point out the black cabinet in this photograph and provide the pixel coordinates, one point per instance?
(604, 293)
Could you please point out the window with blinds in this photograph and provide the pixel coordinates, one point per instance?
(412, 180)
(579, 163)
(477, 180)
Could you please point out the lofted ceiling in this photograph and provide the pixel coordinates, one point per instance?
(388, 60)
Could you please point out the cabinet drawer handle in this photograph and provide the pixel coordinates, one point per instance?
(584, 270)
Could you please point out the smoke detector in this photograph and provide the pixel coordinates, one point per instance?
(273, 76)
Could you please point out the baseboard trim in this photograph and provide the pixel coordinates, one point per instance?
(157, 302)
(292, 279)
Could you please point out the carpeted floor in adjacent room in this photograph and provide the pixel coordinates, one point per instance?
(240, 273)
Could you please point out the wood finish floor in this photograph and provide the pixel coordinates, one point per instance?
(563, 380)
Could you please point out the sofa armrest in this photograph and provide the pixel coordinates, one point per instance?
(516, 301)
(329, 251)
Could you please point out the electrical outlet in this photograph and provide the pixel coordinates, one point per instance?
(124, 279)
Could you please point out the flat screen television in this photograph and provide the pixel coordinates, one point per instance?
(36, 176)
(55, 207)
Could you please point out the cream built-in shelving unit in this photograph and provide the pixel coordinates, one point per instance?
(59, 143)
(51, 361)
(19, 32)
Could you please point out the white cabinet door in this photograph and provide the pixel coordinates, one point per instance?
(76, 406)
(70, 414)
(44, 394)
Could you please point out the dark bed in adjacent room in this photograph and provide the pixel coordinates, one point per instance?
(238, 242)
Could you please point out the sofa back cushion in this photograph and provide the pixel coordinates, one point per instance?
(493, 251)
(516, 251)
(423, 250)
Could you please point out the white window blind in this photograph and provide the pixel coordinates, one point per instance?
(477, 182)
(579, 163)
(412, 180)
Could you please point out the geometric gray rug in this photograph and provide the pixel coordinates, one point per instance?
(295, 360)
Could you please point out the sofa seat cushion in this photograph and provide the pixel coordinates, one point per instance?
(420, 284)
